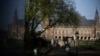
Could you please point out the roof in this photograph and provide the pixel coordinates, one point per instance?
(83, 22)
(20, 22)
(86, 22)
(91, 22)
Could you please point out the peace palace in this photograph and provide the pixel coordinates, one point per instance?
(87, 30)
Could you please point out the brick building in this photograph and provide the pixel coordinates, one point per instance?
(87, 30)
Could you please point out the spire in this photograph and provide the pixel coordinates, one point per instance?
(15, 16)
(96, 16)
(96, 11)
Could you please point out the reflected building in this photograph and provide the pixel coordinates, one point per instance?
(16, 28)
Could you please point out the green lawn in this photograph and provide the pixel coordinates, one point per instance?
(85, 43)
(88, 44)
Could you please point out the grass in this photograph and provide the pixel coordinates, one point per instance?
(88, 44)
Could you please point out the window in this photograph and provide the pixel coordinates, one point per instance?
(57, 32)
(66, 31)
(56, 37)
(81, 38)
(83, 32)
(88, 38)
(59, 37)
(87, 32)
(63, 32)
(80, 31)
(85, 38)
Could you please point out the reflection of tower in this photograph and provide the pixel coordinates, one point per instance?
(16, 27)
(15, 22)
(15, 18)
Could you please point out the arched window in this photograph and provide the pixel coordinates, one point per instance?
(81, 38)
(88, 38)
(56, 37)
(77, 37)
(85, 38)
(59, 37)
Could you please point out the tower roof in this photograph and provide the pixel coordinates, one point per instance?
(96, 11)
(96, 16)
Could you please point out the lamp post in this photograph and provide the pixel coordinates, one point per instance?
(77, 37)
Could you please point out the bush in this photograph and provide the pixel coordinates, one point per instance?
(40, 42)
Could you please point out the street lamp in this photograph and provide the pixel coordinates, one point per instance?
(77, 37)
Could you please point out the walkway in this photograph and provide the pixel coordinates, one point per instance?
(74, 52)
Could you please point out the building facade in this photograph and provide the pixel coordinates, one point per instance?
(87, 30)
